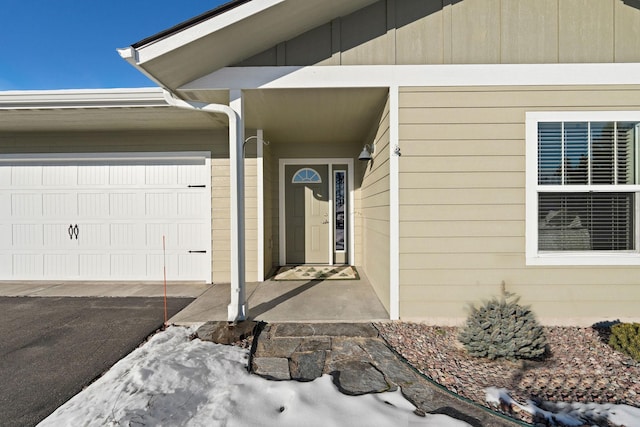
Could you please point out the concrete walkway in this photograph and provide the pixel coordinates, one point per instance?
(291, 301)
(100, 289)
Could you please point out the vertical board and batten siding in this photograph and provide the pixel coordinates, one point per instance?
(374, 212)
(468, 32)
(215, 142)
(462, 206)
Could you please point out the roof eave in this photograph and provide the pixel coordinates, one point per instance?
(81, 98)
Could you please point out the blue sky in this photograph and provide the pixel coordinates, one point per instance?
(71, 44)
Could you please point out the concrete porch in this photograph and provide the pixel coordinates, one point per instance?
(291, 301)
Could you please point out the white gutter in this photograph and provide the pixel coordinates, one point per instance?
(237, 309)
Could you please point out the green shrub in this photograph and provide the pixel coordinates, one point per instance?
(501, 328)
(625, 337)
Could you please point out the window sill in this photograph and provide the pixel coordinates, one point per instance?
(580, 258)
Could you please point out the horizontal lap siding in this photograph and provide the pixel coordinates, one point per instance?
(374, 212)
(462, 206)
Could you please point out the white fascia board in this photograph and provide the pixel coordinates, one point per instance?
(417, 75)
(202, 29)
(82, 98)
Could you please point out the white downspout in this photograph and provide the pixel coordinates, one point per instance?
(237, 309)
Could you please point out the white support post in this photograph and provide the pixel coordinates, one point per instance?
(260, 172)
(394, 205)
(237, 309)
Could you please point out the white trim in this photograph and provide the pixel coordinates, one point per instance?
(82, 98)
(346, 224)
(188, 35)
(350, 76)
(281, 205)
(394, 204)
(533, 257)
(260, 202)
(104, 157)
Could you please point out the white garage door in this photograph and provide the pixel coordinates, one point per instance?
(104, 218)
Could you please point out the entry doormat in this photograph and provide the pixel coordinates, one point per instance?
(317, 272)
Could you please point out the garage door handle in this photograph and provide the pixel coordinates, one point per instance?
(197, 252)
(73, 231)
(197, 186)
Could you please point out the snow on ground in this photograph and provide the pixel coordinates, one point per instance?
(174, 381)
(570, 414)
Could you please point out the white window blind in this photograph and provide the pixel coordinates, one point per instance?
(584, 173)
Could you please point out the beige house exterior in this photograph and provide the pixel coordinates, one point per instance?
(453, 99)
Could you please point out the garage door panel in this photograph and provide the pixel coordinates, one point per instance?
(128, 235)
(126, 205)
(193, 236)
(93, 236)
(129, 266)
(6, 237)
(95, 175)
(161, 205)
(126, 175)
(6, 266)
(26, 236)
(104, 218)
(94, 265)
(60, 205)
(190, 264)
(61, 265)
(189, 175)
(93, 205)
(27, 205)
(26, 176)
(191, 203)
(161, 175)
(5, 177)
(59, 176)
(28, 266)
(5, 205)
(155, 232)
(60, 236)
(156, 264)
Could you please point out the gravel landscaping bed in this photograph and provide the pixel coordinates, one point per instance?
(579, 366)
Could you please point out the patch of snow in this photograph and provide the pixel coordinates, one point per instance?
(569, 414)
(173, 381)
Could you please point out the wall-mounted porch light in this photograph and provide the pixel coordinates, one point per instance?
(367, 151)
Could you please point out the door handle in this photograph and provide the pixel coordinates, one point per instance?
(73, 231)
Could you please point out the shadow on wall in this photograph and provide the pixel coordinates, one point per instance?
(632, 3)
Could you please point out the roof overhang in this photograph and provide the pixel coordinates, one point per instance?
(241, 30)
(95, 110)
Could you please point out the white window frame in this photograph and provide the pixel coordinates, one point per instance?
(533, 256)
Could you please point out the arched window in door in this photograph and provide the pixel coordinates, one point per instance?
(306, 176)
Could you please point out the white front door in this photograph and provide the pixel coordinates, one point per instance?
(105, 219)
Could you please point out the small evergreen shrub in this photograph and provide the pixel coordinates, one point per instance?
(625, 337)
(502, 328)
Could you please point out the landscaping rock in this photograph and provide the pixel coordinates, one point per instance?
(357, 377)
(272, 368)
(326, 329)
(225, 332)
(279, 347)
(307, 366)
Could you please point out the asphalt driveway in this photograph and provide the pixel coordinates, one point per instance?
(51, 348)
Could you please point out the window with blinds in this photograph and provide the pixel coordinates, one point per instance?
(586, 171)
